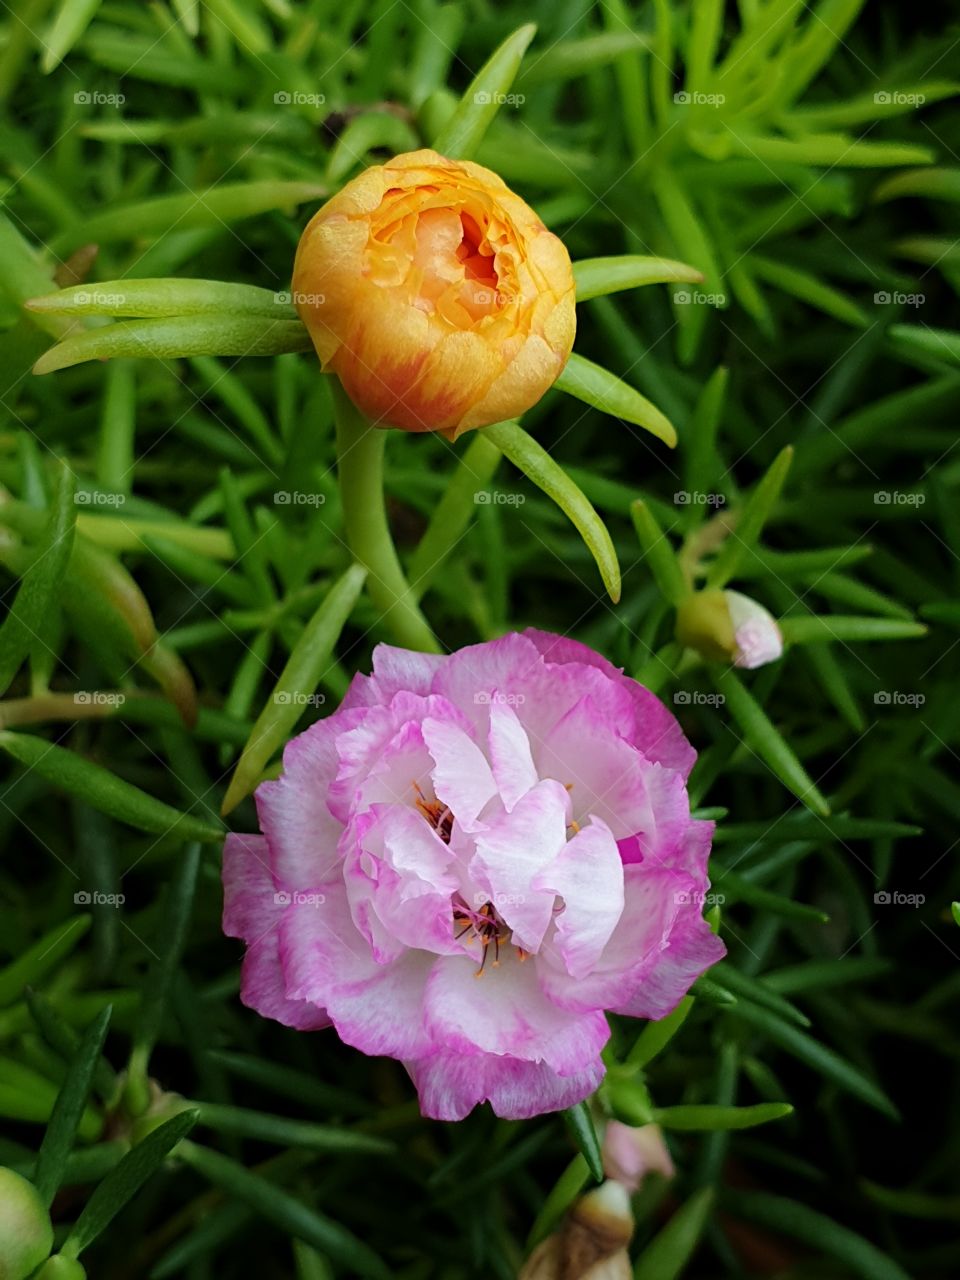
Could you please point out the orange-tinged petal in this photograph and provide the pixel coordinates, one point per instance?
(436, 294)
(536, 364)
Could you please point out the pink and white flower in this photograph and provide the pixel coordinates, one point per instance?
(469, 863)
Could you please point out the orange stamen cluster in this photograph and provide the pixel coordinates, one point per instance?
(437, 814)
(486, 925)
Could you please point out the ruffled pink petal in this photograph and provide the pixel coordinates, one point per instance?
(691, 950)
(262, 989)
(377, 1008)
(252, 911)
(664, 842)
(366, 733)
(361, 692)
(552, 691)
(635, 947)
(402, 871)
(404, 670)
(472, 675)
(561, 650)
(450, 1086)
(461, 776)
(605, 775)
(510, 756)
(248, 885)
(293, 812)
(382, 1014)
(512, 850)
(399, 775)
(588, 875)
(504, 1011)
(653, 729)
(692, 851)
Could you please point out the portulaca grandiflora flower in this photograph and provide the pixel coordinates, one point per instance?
(469, 863)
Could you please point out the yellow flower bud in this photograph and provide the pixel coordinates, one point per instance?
(436, 295)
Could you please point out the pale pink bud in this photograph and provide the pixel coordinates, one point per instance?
(756, 633)
(629, 1154)
(725, 626)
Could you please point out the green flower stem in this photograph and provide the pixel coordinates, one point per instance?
(454, 512)
(360, 463)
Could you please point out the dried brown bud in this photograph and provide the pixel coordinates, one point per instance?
(591, 1244)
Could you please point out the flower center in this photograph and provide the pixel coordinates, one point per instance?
(485, 925)
(439, 815)
(477, 264)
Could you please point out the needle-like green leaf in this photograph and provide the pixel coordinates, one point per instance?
(749, 524)
(163, 298)
(172, 337)
(779, 1214)
(23, 626)
(537, 465)
(767, 742)
(603, 390)
(581, 1126)
(285, 1212)
(68, 1109)
(104, 790)
(298, 681)
(124, 1181)
(483, 97)
(668, 1253)
(597, 276)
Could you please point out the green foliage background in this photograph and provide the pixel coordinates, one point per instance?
(804, 159)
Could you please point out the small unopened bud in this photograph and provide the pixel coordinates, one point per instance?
(26, 1233)
(725, 626)
(629, 1154)
(163, 1107)
(592, 1242)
